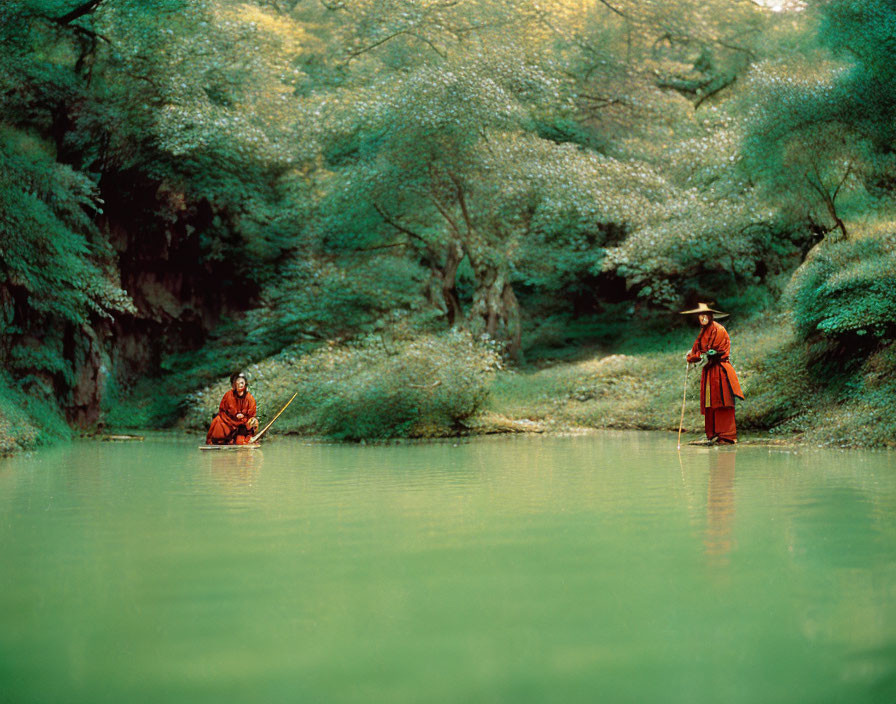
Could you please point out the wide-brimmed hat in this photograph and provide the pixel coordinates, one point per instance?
(704, 308)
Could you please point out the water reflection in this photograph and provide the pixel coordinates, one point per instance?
(236, 471)
(377, 573)
(720, 505)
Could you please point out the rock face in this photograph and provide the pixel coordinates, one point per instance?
(92, 368)
(179, 295)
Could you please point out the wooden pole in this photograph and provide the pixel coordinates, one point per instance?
(255, 437)
(683, 397)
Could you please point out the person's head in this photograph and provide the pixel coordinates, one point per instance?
(704, 314)
(239, 383)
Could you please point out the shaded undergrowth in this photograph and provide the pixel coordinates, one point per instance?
(790, 394)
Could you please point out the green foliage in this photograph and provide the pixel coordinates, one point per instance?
(54, 263)
(842, 408)
(50, 246)
(241, 181)
(821, 137)
(774, 376)
(315, 299)
(28, 421)
(713, 231)
(847, 290)
(375, 388)
(446, 160)
(147, 403)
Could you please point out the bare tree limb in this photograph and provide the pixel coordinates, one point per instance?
(463, 204)
(445, 214)
(614, 9)
(397, 225)
(722, 86)
(842, 181)
(83, 9)
(392, 36)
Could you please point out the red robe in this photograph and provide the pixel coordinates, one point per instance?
(226, 428)
(719, 385)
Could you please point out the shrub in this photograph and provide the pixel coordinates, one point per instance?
(27, 422)
(774, 377)
(375, 388)
(847, 290)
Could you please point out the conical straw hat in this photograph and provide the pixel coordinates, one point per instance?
(704, 308)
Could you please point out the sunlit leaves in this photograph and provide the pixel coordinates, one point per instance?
(847, 290)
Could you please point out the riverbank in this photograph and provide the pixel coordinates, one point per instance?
(639, 386)
(437, 386)
(629, 377)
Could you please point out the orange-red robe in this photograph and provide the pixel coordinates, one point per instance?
(719, 385)
(226, 428)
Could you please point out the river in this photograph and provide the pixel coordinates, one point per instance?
(594, 568)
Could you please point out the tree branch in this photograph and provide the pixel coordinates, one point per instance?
(441, 207)
(83, 9)
(445, 214)
(613, 9)
(463, 204)
(398, 226)
(382, 246)
(722, 86)
(91, 34)
(392, 36)
(842, 181)
(598, 101)
(734, 47)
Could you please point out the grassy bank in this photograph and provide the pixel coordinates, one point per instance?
(375, 388)
(629, 376)
(442, 385)
(639, 385)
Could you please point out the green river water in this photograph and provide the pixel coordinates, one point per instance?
(594, 568)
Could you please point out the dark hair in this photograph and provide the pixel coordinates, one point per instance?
(238, 375)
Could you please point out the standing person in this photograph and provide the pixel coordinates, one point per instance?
(718, 382)
(236, 421)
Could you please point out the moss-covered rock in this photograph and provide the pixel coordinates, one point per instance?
(26, 421)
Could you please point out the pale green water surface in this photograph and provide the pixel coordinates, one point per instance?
(599, 568)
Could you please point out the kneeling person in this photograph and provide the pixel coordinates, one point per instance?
(236, 422)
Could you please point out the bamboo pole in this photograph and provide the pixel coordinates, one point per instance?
(683, 397)
(255, 437)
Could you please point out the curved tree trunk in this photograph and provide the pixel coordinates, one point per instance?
(448, 283)
(512, 323)
(495, 310)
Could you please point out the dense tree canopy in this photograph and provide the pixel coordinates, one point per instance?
(254, 175)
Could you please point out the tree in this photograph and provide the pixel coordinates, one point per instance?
(821, 137)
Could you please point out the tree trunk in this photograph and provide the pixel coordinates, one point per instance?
(838, 222)
(448, 282)
(495, 310)
(513, 325)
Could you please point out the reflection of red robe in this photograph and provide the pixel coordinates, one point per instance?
(226, 428)
(719, 385)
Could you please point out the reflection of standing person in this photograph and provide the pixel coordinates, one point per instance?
(718, 382)
(720, 502)
(236, 421)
